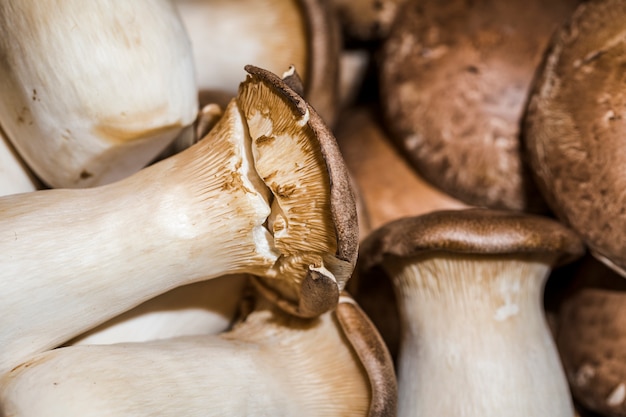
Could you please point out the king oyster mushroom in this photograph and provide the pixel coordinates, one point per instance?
(474, 341)
(271, 363)
(265, 192)
(273, 34)
(575, 126)
(455, 77)
(93, 90)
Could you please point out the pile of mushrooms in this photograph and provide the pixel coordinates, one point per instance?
(185, 186)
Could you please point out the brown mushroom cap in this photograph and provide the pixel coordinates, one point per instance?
(472, 231)
(575, 128)
(454, 82)
(592, 343)
(318, 292)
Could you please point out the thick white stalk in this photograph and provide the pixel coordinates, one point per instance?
(72, 259)
(207, 307)
(93, 90)
(15, 177)
(268, 365)
(475, 341)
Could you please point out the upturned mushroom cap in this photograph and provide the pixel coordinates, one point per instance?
(318, 236)
(271, 34)
(454, 83)
(93, 91)
(270, 363)
(472, 231)
(575, 126)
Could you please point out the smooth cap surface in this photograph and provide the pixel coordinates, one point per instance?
(472, 231)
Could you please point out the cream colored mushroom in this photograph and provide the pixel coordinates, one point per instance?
(469, 286)
(15, 177)
(93, 91)
(272, 34)
(265, 192)
(269, 364)
(201, 308)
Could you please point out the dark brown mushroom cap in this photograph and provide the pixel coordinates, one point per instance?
(576, 125)
(342, 200)
(472, 231)
(592, 344)
(455, 76)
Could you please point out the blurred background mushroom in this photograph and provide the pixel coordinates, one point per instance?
(575, 126)
(272, 34)
(455, 76)
(15, 176)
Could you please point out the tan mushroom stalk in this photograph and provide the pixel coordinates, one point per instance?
(469, 288)
(72, 259)
(93, 91)
(272, 34)
(15, 176)
(455, 77)
(201, 308)
(269, 364)
(575, 126)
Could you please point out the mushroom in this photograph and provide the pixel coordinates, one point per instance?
(15, 176)
(389, 188)
(474, 341)
(271, 363)
(272, 34)
(367, 20)
(265, 192)
(575, 125)
(206, 307)
(591, 337)
(454, 82)
(93, 91)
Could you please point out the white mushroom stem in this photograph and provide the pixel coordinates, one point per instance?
(270, 364)
(93, 91)
(72, 259)
(475, 340)
(202, 308)
(15, 177)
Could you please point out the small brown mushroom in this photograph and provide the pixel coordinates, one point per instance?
(469, 286)
(591, 338)
(454, 82)
(576, 124)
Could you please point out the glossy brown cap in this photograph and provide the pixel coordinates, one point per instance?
(472, 231)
